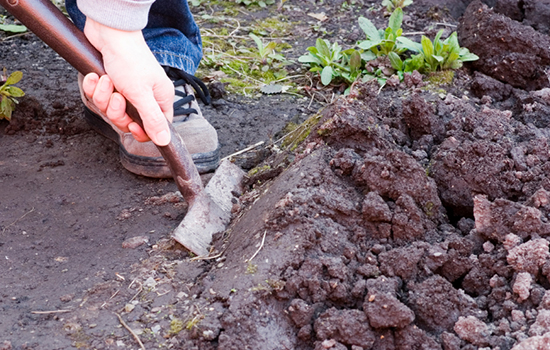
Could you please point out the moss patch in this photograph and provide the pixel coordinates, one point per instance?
(300, 133)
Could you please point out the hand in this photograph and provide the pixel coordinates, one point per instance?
(135, 73)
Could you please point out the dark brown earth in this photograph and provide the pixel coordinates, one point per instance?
(411, 218)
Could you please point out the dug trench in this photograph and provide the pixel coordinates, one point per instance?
(409, 217)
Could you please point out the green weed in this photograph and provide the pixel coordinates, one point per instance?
(439, 54)
(394, 4)
(383, 54)
(332, 63)
(261, 3)
(9, 93)
(176, 326)
(9, 27)
(382, 42)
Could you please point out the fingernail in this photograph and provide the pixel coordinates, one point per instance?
(163, 138)
(115, 103)
(104, 85)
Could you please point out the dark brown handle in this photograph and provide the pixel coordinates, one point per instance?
(59, 33)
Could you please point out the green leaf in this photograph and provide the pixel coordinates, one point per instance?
(13, 28)
(277, 57)
(369, 44)
(438, 58)
(322, 48)
(258, 41)
(14, 78)
(6, 107)
(370, 30)
(438, 37)
(387, 3)
(409, 44)
(469, 57)
(309, 59)
(326, 75)
(355, 60)
(396, 19)
(453, 41)
(313, 50)
(453, 56)
(269, 48)
(427, 47)
(335, 52)
(368, 56)
(414, 63)
(15, 91)
(396, 61)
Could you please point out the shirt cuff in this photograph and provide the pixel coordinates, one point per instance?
(128, 15)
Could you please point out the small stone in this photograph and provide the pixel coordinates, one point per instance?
(129, 307)
(488, 247)
(66, 298)
(150, 282)
(134, 242)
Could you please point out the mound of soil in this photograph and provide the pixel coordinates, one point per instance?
(411, 217)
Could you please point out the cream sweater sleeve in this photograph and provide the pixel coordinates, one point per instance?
(129, 15)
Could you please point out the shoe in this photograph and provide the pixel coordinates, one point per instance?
(143, 158)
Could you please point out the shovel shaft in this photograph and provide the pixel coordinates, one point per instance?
(58, 32)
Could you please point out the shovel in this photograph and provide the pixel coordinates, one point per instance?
(209, 209)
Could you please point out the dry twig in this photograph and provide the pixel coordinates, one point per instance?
(260, 248)
(50, 312)
(13, 223)
(130, 330)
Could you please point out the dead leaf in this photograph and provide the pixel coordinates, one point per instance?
(318, 16)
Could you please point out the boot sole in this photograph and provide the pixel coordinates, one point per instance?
(148, 166)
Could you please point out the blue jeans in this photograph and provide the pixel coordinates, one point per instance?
(171, 33)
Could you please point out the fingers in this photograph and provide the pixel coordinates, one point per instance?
(154, 120)
(99, 90)
(116, 112)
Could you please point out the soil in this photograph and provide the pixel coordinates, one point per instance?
(411, 217)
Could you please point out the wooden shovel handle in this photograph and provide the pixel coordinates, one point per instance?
(59, 33)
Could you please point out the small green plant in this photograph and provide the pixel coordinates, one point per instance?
(394, 4)
(382, 42)
(332, 63)
(9, 93)
(193, 322)
(437, 55)
(266, 53)
(176, 326)
(261, 3)
(8, 26)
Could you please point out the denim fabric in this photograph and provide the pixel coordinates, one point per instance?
(171, 33)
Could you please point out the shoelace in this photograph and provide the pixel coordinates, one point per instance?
(182, 78)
